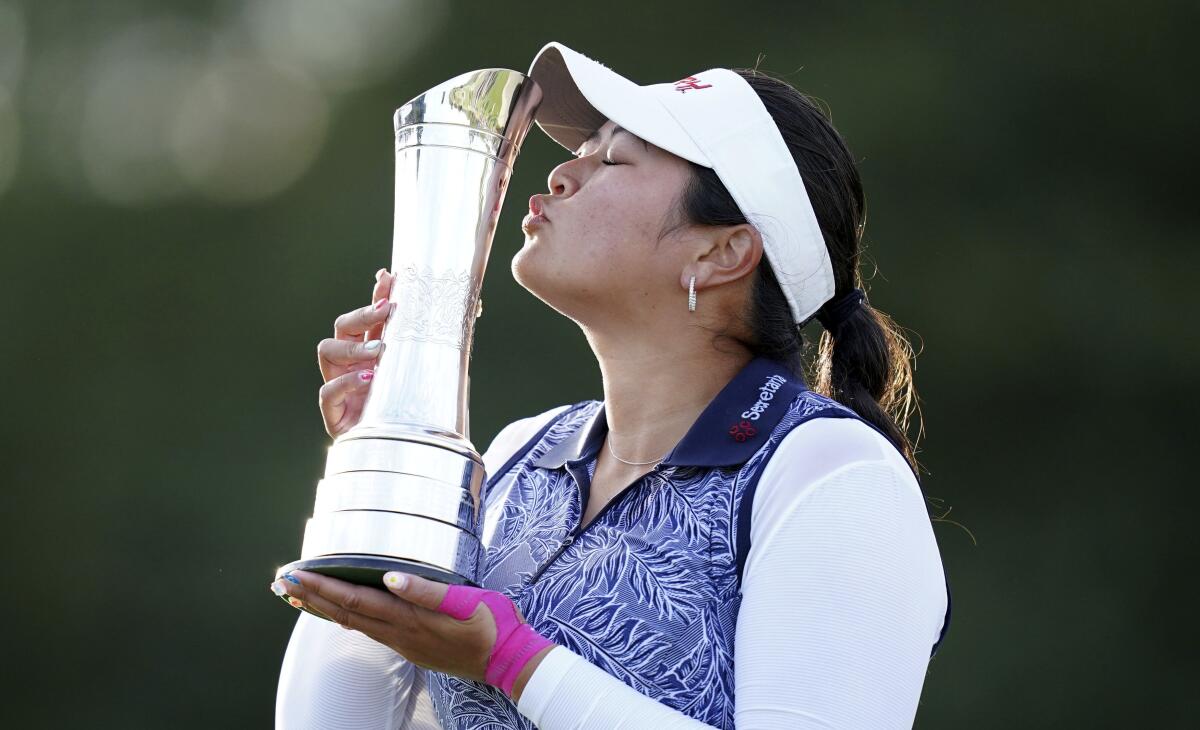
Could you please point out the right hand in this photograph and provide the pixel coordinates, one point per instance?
(347, 365)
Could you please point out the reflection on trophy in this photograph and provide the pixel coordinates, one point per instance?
(402, 487)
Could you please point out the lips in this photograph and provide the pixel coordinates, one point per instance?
(537, 207)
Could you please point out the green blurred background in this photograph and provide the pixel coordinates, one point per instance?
(191, 192)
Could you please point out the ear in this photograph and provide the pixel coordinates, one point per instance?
(734, 252)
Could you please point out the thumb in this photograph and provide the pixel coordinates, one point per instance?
(415, 589)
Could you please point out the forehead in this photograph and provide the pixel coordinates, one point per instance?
(605, 128)
(609, 130)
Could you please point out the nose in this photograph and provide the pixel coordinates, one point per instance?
(561, 181)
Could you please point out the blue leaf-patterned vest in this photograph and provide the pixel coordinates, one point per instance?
(649, 590)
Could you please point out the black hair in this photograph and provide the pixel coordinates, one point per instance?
(866, 362)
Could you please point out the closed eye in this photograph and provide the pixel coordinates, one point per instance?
(609, 162)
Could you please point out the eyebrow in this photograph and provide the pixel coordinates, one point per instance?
(617, 129)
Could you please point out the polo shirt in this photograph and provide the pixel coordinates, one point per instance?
(783, 534)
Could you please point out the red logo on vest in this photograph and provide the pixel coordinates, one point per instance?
(742, 431)
(690, 83)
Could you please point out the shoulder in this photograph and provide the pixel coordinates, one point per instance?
(519, 432)
(839, 511)
(818, 446)
(840, 461)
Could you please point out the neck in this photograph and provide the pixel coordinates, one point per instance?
(655, 391)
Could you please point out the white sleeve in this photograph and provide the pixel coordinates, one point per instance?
(333, 677)
(846, 553)
(842, 600)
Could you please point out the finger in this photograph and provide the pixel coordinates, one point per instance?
(341, 597)
(315, 611)
(340, 615)
(415, 589)
(347, 619)
(332, 396)
(383, 290)
(383, 285)
(354, 324)
(277, 587)
(335, 356)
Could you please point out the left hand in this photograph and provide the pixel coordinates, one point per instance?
(404, 619)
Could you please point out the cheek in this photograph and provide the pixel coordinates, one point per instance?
(607, 238)
(618, 229)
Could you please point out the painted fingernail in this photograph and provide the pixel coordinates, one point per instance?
(366, 375)
(292, 578)
(296, 602)
(381, 304)
(278, 589)
(372, 346)
(396, 580)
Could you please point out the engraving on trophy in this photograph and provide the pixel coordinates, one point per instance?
(433, 307)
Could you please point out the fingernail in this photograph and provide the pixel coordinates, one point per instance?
(372, 346)
(396, 580)
(296, 602)
(379, 274)
(381, 304)
(292, 578)
(366, 375)
(278, 589)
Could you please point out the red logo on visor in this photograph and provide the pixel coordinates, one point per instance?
(742, 431)
(690, 83)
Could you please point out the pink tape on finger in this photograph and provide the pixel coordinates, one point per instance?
(516, 642)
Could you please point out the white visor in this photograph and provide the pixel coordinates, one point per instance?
(713, 118)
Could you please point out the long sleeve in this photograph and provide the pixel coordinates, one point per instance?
(842, 598)
(332, 677)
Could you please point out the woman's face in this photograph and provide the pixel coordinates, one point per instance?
(597, 256)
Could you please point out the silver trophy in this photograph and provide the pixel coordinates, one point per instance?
(402, 487)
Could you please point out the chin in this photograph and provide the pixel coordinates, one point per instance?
(530, 270)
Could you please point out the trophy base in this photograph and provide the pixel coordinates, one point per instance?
(368, 570)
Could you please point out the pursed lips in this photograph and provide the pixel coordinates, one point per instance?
(537, 207)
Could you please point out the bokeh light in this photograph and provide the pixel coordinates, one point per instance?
(134, 90)
(139, 109)
(347, 44)
(12, 64)
(246, 130)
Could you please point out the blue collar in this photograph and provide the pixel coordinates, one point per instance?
(734, 425)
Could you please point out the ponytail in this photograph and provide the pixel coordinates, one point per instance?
(863, 359)
(865, 363)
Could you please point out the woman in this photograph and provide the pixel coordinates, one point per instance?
(712, 511)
